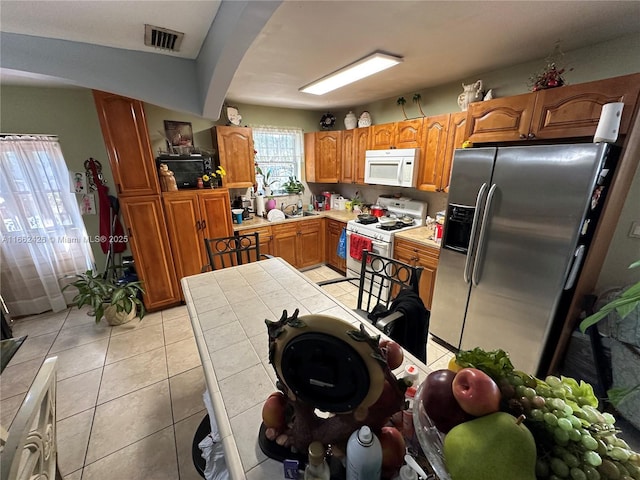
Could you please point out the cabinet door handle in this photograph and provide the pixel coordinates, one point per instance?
(204, 224)
(198, 225)
(522, 136)
(531, 135)
(130, 232)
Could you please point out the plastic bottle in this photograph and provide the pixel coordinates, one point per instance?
(406, 473)
(408, 430)
(317, 468)
(411, 374)
(364, 455)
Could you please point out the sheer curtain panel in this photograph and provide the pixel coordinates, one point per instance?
(43, 238)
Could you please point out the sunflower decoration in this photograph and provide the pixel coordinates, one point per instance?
(214, 178)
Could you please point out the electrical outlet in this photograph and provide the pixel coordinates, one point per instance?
(635, 230)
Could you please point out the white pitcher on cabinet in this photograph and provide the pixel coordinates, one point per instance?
(471, 93)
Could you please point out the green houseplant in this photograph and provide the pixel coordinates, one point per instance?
(267, 181)
(117, 302)
(293, 185)
(626, 303)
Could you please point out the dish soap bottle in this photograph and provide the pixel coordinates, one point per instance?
(317, 468)
(364, 455)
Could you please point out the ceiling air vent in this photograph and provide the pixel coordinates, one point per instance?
(162, 38)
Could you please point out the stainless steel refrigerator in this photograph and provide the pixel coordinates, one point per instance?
(518, 225)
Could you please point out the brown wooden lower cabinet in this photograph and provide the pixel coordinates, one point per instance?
(193, 216)
(419, 255)
(265, 237)
(151, 250)
(300, 243)
(333, 232)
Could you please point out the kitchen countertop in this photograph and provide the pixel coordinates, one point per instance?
(421, 235)
(227, 309)
(339, 215)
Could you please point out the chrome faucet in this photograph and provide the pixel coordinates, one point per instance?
(296, 209)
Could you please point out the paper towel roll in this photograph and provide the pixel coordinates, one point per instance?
(609, 124)
(260, 206)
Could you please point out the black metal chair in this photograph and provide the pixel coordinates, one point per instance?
(239, 249)
(388, 296)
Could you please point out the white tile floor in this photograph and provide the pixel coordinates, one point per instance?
(129, 398)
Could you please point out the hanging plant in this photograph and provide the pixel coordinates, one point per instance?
(417, 98)
(401, 101)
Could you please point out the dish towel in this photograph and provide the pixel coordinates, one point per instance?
(357, 245)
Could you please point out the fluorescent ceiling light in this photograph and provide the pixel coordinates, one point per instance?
(374, 63)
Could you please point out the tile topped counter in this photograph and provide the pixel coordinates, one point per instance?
(227, 309)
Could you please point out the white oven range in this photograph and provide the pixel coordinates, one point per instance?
(381, 237)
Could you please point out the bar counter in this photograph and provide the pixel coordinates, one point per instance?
(228, 309)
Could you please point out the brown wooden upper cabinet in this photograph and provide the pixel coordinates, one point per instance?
(405, 134)
(564, 112)
(234, 146)
(442, 134)
(126, 136)
(323, 154)
(355, 143)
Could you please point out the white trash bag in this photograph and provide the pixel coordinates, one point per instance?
(212, 449)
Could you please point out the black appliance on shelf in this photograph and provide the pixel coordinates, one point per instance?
(186, 168)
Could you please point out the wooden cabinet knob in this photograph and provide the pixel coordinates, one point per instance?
(522, 136)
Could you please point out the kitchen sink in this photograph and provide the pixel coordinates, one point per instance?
(301, 214)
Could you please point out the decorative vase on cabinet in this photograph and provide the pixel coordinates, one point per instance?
(350, 121)
(471, 93)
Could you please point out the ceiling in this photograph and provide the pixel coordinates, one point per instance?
(266, 51)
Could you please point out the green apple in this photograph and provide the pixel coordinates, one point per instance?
(495, 446)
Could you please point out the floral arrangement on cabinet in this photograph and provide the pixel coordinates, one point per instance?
(213, 179)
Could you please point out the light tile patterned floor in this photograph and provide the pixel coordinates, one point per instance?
(130, 397)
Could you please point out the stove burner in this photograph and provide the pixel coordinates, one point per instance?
(395, 226)
(367, 220)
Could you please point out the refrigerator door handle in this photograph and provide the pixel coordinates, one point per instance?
(474, 230)
(577, 262)
(475, 276)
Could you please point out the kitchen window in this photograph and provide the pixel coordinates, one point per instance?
(279, 150)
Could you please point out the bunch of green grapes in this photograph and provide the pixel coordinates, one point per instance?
(574, 440)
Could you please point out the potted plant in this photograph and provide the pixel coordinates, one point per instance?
(116, 301)
(293, 185)
(267, 181)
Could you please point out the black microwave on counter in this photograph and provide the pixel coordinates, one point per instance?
(186, 168)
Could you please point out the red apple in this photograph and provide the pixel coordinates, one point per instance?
(393, 450)
(393, 352)
(476, 392)
(439, 403)
(273, 411)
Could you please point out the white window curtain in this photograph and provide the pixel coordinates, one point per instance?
(43, 238)
(279, 151)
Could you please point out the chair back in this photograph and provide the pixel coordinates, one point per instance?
(381, 279)
(230, 251)
(31, 449)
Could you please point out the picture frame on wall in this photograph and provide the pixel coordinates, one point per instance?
(180, 134)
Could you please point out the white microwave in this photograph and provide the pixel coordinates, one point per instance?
(395, 167)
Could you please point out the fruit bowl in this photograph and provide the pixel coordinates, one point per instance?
(429, 436)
